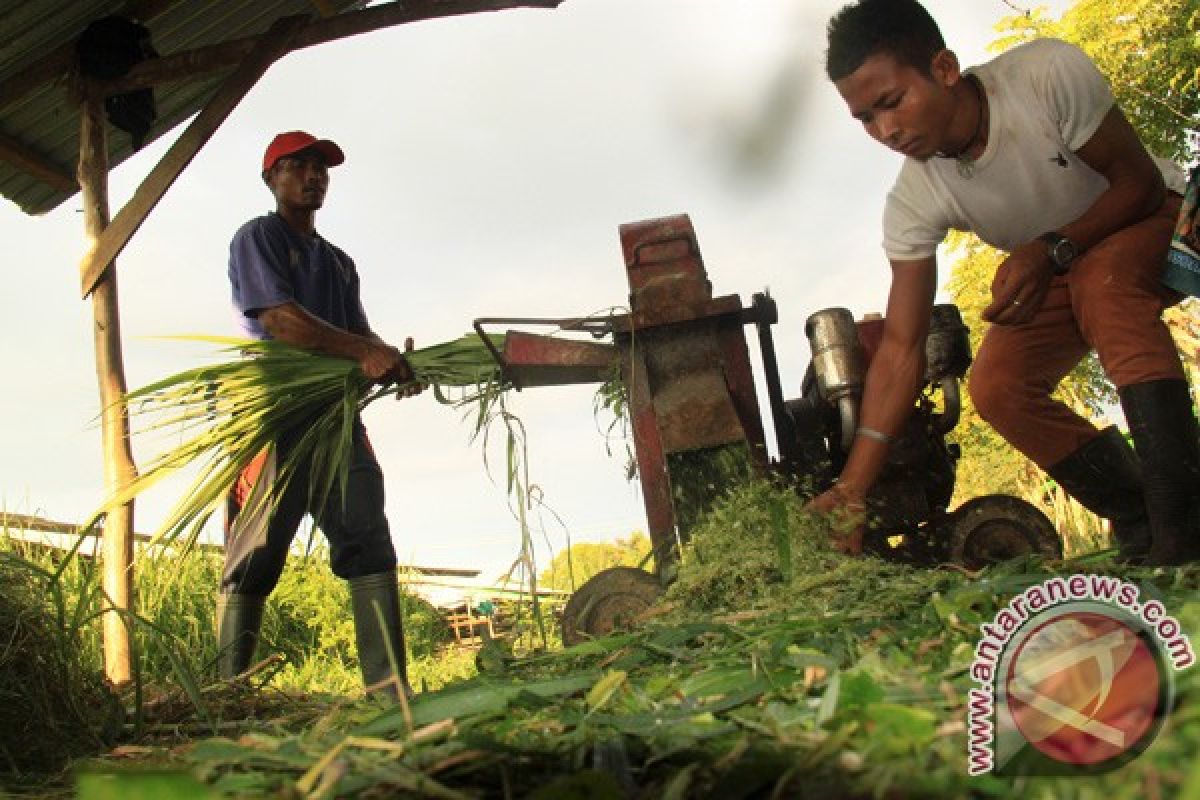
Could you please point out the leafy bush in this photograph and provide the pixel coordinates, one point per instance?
(571, 568)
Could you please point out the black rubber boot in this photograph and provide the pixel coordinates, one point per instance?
(1163, 425)
(239, 617)
(380, 632)
(1106, 479)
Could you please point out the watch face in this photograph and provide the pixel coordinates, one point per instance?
(1062, 251)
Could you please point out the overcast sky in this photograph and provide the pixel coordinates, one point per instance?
(490, 160)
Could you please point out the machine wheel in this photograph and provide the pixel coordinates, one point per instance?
(996, 527)
(609, 601)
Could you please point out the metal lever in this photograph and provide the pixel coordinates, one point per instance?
(765, 314)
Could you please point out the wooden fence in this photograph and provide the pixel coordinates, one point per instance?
(15, 524)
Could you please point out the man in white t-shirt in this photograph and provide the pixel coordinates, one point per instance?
(1030, 152)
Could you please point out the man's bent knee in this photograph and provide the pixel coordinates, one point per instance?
(990, 392)
(256, 574)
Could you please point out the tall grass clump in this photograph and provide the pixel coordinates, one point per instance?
(174, 601)
(54, 704)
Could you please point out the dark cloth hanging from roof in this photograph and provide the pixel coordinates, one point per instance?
(108, 49)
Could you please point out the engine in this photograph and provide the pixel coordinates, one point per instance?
(914, 490)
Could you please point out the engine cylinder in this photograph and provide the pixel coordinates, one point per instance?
(837, 354)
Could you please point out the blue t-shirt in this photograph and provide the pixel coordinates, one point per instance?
(271, 264)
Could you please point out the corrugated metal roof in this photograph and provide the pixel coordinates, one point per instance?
(37, 38)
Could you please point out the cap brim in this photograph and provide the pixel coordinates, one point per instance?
(332, 153)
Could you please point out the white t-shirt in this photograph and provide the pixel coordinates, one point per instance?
(1045, 101)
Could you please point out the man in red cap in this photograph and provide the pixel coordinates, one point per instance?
(292, 285)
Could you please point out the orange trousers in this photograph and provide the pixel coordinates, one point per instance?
(1110, 301)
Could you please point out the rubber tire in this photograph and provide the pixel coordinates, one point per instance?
(609, 601)
(1015, 528)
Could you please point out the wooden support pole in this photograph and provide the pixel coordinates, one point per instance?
(272, 45)
(119, 471)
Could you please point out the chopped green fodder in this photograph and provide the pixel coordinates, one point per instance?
(830, 677)
(699, 477)
(759, 547)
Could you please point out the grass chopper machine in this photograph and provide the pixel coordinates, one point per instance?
(682, 356)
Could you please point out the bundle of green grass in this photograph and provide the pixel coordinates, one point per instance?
(229, 412)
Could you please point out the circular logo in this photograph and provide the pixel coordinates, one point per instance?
(1086, 688)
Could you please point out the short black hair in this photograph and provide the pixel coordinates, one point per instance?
(902, 28)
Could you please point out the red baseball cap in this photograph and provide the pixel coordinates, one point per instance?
(294, 141)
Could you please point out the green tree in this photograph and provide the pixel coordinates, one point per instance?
(574, 566)
(1150, 52)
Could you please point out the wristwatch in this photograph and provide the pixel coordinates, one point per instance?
(1062, 251)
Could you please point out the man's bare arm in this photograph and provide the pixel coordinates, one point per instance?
(1135, 190)
(896, 373)
(293, 324)
(1135, 184)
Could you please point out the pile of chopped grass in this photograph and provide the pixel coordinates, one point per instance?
(818, 675)
(747, 549)
(698, 478)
